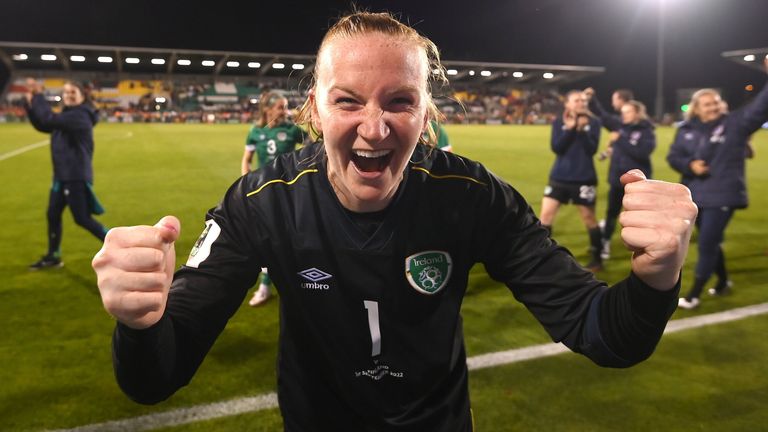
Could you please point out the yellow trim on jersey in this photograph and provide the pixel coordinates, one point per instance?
(281, 181)
(440, 177)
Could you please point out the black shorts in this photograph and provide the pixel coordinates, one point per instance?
(567, 193)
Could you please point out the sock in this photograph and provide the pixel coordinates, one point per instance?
(595, 242)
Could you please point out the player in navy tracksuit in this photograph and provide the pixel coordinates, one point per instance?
(612, 122)
(631, 149)
(72, 154)
(370, 236)
(709, 151)
(575, 138)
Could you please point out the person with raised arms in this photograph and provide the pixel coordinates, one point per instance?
(370, 236)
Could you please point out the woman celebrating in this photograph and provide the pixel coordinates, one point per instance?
(370, 236)
(272, 135)
(631, 149)
(72, 154)
(575, 138)
(709, 152)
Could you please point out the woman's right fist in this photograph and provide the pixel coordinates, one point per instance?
(134, 271)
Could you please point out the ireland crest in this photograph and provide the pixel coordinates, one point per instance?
(429, 271)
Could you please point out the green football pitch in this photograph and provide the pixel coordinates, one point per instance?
(55, 359)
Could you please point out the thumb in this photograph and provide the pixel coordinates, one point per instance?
(170, 228)
(632, 176)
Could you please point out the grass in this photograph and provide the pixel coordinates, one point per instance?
(54, 335)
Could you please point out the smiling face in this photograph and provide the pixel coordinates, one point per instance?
(371, 106)
(575, 102)
(708, 107)
(72, 95)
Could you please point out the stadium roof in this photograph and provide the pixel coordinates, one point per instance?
(50, 59)
(752, 58)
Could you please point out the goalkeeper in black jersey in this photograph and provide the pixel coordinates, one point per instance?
(369, 236)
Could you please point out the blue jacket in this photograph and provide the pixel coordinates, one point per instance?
(71, 138)
(632, 150)
(722, 145)
(610, 121)
(575, 150)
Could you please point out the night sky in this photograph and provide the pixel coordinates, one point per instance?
(620, 35)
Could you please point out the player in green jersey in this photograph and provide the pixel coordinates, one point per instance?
(272, 135)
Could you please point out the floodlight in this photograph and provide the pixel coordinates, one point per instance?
(471, 73)
(297, 66)
(183, 62)
(132, 60)
(749, 58)
(208, 63)
(47, 57)
(20, 57)
(278, 65)
(517, 74)
(452, 72)
(159, 99)
(233, 64)
(157, 61)
(254, 101)
(548, 75)
(485, 73)
(104, 59)
(254, 65)
(77, 58)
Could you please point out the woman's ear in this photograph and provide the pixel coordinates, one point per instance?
(315, 116)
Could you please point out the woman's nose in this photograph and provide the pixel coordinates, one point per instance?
(373, 127)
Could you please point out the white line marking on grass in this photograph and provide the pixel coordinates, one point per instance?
(24, 149)
(183, 415)
(269, 401)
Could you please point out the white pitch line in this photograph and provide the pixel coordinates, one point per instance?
(24, 149)
(183, 415)
(269, 401)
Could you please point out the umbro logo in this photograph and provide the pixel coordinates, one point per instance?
(313, 275)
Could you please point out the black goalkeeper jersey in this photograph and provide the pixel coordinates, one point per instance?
(371, 333)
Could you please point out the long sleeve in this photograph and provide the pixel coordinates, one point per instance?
(45, 120)
(630, 319)
(679, 156)
(151, 364)
(614, 327)
(755, 114)
(611, 122)
(33, 114)
(592, 137)
(561, 138)
(643, 147)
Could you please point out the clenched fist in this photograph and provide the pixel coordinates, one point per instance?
(657, 221)
(135, 269)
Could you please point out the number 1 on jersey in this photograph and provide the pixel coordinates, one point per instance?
(373, 326)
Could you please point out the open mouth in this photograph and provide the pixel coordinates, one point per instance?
(370, 161)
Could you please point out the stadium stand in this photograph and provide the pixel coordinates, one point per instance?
(157, 85)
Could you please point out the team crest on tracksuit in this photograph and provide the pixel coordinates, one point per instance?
(429, 271)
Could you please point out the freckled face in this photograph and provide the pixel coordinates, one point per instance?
(371, 106)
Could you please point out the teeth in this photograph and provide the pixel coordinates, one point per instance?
(371, 153)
